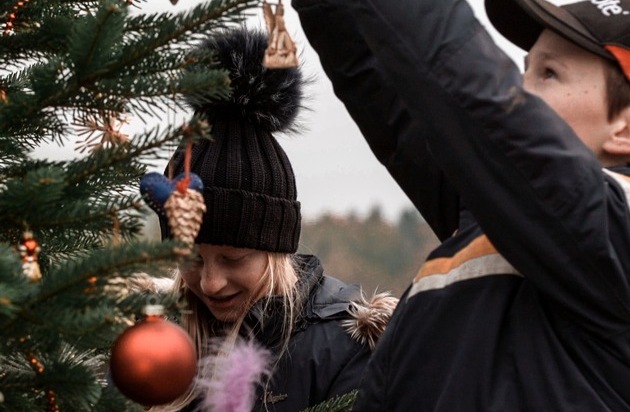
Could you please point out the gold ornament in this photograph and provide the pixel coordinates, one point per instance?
(36, 364)
(29, 249)
(91, 288)
(281, 52)
(52, 401)
(39, 369)
(9, 25)
(184, 210)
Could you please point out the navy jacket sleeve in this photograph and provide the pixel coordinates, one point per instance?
(538, 193)
(395, 137)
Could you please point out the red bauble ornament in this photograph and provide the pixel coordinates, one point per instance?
(154, 361)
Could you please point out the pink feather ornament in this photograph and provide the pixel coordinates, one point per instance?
(234, 378)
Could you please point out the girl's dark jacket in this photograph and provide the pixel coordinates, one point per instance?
(330, 345)
(526, 304)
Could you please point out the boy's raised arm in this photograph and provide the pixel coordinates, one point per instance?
(397, 139)
(538, 192)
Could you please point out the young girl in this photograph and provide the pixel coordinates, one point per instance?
(247, 281)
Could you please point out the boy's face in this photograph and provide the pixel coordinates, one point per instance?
(572, 81)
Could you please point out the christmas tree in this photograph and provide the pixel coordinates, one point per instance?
(72, 263)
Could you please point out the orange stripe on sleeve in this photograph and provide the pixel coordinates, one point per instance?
(480, 246)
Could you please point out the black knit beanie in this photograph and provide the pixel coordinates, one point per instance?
(249, 185)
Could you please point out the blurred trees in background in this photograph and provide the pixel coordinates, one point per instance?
(374, 252)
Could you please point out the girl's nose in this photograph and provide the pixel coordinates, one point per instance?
(212, 281)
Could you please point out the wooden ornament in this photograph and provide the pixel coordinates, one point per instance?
(29, 249)
(281, 52)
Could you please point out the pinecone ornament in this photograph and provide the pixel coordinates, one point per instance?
(180, 200)
(184, 211)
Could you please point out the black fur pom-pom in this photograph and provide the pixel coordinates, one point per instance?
(267, 98)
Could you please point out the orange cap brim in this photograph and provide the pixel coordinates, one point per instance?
(622, 55)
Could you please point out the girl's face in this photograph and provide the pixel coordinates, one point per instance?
(226, 279)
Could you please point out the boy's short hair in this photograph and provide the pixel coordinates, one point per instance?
(617, 90)
(599, 26)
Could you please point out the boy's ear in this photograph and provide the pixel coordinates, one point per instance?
(619, 141)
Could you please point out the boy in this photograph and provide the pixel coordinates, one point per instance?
(525, 306)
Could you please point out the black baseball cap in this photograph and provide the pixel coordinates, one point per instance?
(599, 26)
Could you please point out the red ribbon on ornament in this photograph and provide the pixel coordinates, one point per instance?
(182, 185)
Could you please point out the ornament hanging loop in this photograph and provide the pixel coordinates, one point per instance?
(182, 185)
(281, 52)
(153, 308)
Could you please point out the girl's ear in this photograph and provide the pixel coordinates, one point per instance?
(619, 141)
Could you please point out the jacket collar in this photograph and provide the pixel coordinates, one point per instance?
(624, 170)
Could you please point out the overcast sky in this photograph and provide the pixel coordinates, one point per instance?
(335, 170)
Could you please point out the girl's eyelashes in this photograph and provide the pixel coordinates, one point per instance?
(235, 258)
(230, 259)
(199, 261)
(196, 261)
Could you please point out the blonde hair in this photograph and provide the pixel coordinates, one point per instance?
(279, 279)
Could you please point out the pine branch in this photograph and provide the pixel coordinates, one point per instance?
(93, 40)
(13, 285)
(341, 403)
(66, 82)
(124, 260)
(65, 62)
(73, 376)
